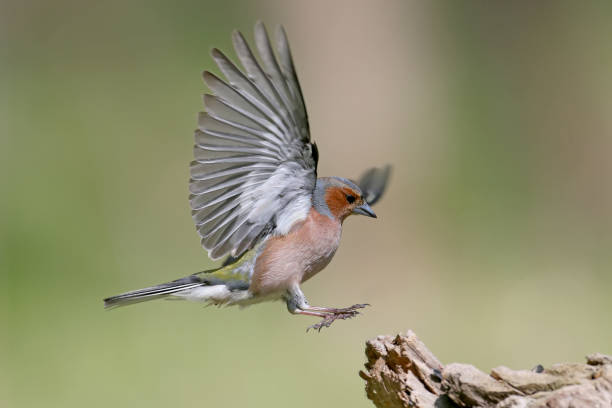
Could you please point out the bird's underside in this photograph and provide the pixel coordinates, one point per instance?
(255, 197)
(231, 285)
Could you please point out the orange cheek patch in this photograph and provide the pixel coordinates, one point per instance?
(335, 198)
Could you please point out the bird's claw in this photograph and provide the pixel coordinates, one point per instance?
(335, 314)
(329, 319)
(350, 309)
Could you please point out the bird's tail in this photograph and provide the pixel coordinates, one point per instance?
(154, 292)
(216, 285)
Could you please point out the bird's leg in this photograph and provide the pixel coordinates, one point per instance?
(297, 304)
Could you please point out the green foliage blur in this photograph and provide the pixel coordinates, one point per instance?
(493, 242)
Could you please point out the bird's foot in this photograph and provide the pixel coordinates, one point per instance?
(331, 315)
(350, 309)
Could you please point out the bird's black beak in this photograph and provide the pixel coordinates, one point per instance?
(364, 209)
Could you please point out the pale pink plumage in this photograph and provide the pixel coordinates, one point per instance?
(296, 257)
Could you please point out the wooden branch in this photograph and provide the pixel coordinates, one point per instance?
(402, 373)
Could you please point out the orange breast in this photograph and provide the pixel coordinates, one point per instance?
(297, 256)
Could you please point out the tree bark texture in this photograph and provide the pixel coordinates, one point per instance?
(402, 372)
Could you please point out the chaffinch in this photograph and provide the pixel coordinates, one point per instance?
(255, 196)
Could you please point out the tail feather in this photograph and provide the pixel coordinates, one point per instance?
(153, 292)
(215, 285)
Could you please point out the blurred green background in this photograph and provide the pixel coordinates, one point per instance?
(493, 242)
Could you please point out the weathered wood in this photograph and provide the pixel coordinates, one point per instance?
(401, 372)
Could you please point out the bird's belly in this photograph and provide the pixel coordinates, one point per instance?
(296, 257)
(316, 260)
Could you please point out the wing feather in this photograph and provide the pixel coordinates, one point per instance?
(373, 183)
(222, 223)
(201, 201)
(255, 166)
(206, 186)
(244, 86)
(210, 128)
(236, 101)
(211, 214)
(261, 80)
(198, 170)
(286, 62)
(274, 73)
(230, 117)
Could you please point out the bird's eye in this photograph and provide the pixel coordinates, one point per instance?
(350, 199)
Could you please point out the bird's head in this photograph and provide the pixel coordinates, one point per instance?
(342, 197)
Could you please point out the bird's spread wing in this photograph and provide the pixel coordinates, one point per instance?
(255, 167)
(373, 183)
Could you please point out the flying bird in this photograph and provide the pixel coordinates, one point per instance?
(255, 196)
